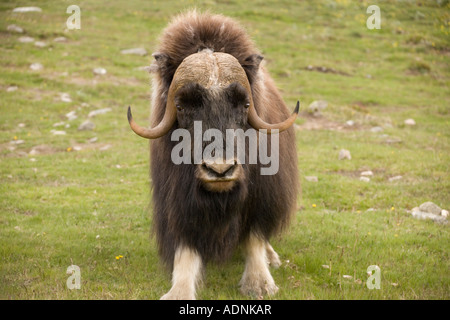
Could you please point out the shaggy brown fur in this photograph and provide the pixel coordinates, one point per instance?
(213, 223)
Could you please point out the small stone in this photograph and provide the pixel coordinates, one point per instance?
(365, 179)
(59, 124)
(26, 39)
(99, 71)
(60, 39)
(27, 9)
(40, 44)
(137, 51)
(317, 106)
(92, 140)
(105, 147)
(86, 126)
(36, 66)
(350, 123)
(430, 207)
(346, 276)
(65, 97)
(444, 213)
(12, 88)
(17, 142)
(416, 213)
(71, 115)
(376, 129)
(14, 28)
(312, 178)
(21, 125)
(98, 111)
(396, 178)
(410, 122)
(344, 154)
(58, 132)
(370, 210)
(367, 173)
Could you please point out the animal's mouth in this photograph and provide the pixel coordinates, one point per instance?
(218, 177)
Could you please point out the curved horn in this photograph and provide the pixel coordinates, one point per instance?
(259, 124)
(163, 127)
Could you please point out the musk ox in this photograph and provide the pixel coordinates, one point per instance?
(208, 70)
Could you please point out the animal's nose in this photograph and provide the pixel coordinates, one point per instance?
(219, 168)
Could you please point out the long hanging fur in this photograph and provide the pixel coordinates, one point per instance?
(214, 224)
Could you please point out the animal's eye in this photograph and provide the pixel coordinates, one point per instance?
(247, 105)
(179, 107)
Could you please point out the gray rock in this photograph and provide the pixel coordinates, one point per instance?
(71, 115)
(17, 142)
(367, 173)
(396, 178)
(98, 111)
(421, 215)
(365, 179)
(36, 66)
(430, 207)
(350, 123)
(40, 44)
(27, 9)
(344, 155)
(410, 122)
(318, 105)
(137, 51)
(444, 213)
(86, 126)
(58, 132)
(65, 97)
(376, 129)
(14, 28)
(99, 71)
(60, 39)
(12, 88)
(25, 39)
(312, 178)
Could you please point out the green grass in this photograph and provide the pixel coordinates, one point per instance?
(87, 207)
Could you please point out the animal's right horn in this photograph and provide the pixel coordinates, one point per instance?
(161, 129)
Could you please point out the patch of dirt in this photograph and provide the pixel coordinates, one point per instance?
(94, 80)
(45, 149)
(326, 70)
(321, 122)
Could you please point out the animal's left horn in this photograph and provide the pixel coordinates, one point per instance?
(256, 122)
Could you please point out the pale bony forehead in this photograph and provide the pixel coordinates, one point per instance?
(214, 71)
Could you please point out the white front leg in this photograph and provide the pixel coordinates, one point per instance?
(257, 280)
(186, 274)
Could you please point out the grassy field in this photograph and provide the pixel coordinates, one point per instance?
(83, 198)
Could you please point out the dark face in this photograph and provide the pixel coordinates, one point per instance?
(217, 108)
